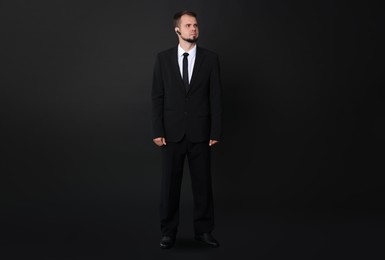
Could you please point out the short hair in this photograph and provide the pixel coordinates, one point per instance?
(178, 15)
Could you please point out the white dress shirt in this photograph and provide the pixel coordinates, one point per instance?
(190, 59)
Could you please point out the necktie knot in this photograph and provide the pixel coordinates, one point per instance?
(185, 54)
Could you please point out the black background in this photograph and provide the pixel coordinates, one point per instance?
(297, 174)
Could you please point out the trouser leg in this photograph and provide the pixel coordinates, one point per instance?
(173, 155)
(199, 157)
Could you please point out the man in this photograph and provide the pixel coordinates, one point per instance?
(186, 117)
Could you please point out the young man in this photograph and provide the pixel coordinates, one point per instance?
(186, 117)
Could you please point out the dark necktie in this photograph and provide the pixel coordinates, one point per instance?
(185, 70)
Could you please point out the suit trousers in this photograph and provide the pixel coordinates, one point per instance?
(173, 157)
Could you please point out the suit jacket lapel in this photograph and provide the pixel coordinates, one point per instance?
(198, 62)
(175, 67)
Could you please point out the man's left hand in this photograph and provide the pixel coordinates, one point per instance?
(212, 142)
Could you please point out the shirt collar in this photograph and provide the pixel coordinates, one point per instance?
(191, 52)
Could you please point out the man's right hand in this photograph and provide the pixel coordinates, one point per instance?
(159, 141)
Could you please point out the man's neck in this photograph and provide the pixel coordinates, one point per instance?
(186, 46)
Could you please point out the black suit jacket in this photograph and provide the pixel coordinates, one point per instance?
(195, 113)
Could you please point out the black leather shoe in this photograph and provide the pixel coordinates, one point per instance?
(167, 242)
(208, 239)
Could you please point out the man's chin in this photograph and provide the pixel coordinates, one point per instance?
(192, 40)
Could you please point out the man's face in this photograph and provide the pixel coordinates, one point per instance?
(188, 28)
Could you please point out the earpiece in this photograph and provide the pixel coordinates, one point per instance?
(178, 32)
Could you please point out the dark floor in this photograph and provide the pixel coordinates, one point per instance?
(111, 233)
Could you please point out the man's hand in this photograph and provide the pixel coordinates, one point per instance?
(159, 141)
(212, 142)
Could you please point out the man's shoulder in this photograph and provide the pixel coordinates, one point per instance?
(207, 52)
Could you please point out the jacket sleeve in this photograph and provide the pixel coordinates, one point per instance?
(157, 95)
(216, 101)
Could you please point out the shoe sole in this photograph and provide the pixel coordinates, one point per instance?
(166, 247)
(211, 245)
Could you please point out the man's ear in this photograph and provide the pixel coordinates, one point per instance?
(177, 30)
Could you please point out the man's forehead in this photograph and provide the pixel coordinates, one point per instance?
(188, 19)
